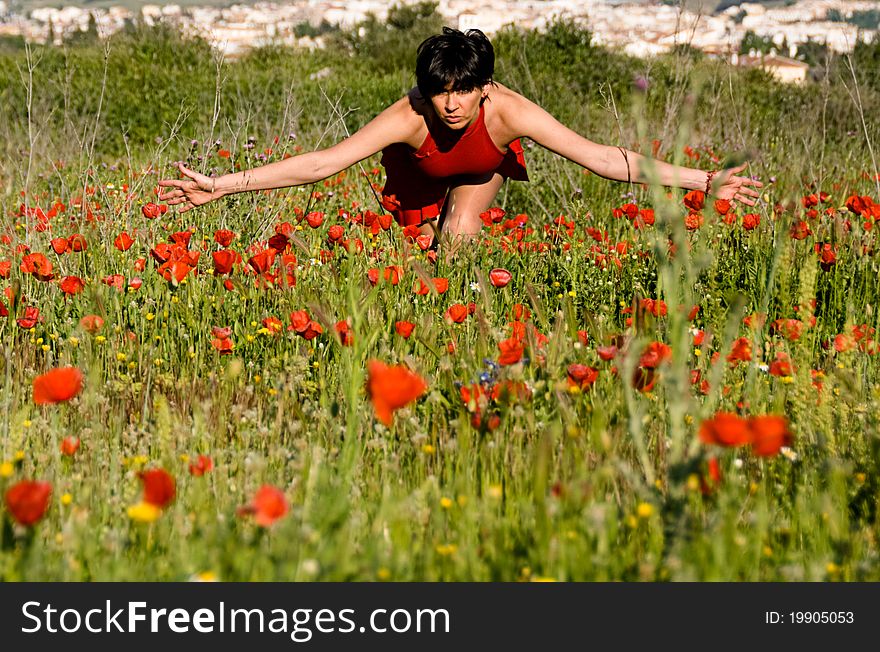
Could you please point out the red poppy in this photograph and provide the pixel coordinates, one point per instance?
(844, 343)
(790, 329)
(336, 233)
(38, 265)
(181, 238)
(223, 237)
(59, 245)
(424, 241)
(510, 391)
(500, 277)
(30, 318)
(656, 307)
(221, 331)
(391, 388)
(151, 211)
(712, 478)
(583, 337)
(722, 206)
(223, 345)
(299, 320)
(27, 501)
(78, 242)
(492, 216)
(392, 274)
(755, 320)
(582, 376)
(69, 446)
(456, 313)
(304, 325)
(268, 505)
(654, 355)
(693, 221)
(71, 285)
(123, 241)
(725, 429)
(741, 351)
(511, 351)
(279, 242)
(315, 219)
(751, 221)
(115, 281)
(827, 256)
(607, 353)
(91, 323)
(159, 487)
(800, 230)
(5, 268)
(201, 466)
(57, 385)
(520, 313)
(781, 366)
(273, 324)
(263, 261)
(343, 330)
(404, 328)
(769, 434)
(643, 378)
(644, 218)
(695, 200)
(223, 261)
(174, 271)
(858, 205)
(440, 285)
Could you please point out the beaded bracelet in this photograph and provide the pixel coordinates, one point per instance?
(709, 176)
(213, 184)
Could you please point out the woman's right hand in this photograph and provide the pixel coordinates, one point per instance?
(195, 190)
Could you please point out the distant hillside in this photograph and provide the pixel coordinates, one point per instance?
(22, 6)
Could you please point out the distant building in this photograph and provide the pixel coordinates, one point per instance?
(784, 69)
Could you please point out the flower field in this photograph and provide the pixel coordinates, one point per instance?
(642, 384)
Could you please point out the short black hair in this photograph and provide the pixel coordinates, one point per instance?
(461, 60)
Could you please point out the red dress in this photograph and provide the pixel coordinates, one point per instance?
(417, 181)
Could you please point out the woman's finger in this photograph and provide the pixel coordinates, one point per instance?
(187, 172)
(170, 183)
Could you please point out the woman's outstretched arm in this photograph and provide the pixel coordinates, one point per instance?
(619, 164)
(394, 124)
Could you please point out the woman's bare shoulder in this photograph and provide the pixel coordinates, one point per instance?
(409, 115)
(504, 97)
(506, 105)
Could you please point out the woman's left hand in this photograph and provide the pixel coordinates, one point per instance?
(726, 185)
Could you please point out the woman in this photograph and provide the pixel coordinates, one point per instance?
(450, 143)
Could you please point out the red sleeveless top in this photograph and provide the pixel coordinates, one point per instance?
(418, 181)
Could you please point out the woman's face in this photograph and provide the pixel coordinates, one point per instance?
(458, 109)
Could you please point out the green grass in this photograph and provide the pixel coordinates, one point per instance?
(601, 484)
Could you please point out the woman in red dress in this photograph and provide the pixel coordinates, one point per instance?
(448, 146)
